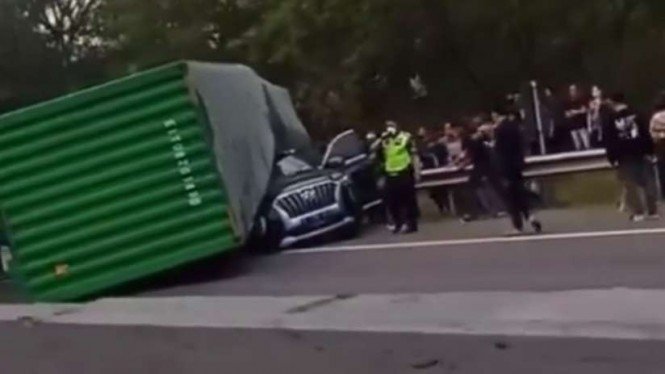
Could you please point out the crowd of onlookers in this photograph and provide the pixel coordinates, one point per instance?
(575, 121)
(634, 142)
(571, 122)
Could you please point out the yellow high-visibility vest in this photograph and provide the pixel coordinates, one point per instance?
(397, 154)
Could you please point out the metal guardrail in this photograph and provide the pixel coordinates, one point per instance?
(536, 167)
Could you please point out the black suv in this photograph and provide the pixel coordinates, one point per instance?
(309, 197)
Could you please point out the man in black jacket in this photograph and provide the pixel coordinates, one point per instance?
(509, 148)
(630, 149)
(477, 152)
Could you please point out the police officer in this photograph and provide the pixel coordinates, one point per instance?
(401, 169)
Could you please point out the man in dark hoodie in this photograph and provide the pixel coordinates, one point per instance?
(509, 150)
(630, 149)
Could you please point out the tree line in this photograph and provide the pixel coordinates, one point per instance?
(346, 62)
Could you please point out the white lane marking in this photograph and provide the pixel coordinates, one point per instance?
(465, 242)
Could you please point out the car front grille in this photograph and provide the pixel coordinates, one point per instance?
(308, 199)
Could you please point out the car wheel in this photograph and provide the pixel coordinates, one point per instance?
(268, 235)
(351, 201)
(355, 210)
(351, 231)
(274, 232)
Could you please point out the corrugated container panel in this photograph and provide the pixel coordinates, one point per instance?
(109, 185)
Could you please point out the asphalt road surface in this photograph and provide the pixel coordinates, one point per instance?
(591, 249)
(565, 262)
(54, 349)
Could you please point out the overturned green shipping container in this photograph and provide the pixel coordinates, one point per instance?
(118, 182)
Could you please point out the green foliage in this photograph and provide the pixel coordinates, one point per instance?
(27, 66)
(348, 62)
(151, 32)
(70, 26)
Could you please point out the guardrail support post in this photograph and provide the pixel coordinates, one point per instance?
(451, 201)
(539, 118)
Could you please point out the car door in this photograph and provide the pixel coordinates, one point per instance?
(349, 153)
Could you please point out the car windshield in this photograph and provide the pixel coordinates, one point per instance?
(346, 146)
(292, 165)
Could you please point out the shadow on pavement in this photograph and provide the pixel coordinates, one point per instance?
(219, 268)
(9, 293)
